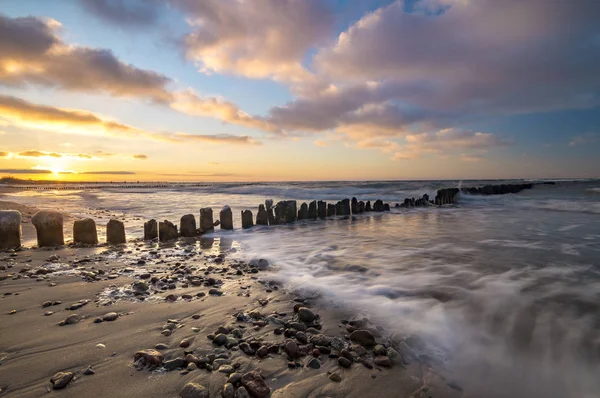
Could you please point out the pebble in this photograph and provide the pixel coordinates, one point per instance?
(241, 393)
(314, 363)
(191, 367)
(234, 378)
(194, 390)
(72, 319)
(148, 357)
(61, 379)
(255, 384)
(46, 304)
(306, 315)
(383, 361)
(344, 362)
(363, 337)
(89, 371)
(185, 343)
(262, 352)
(291, 349)
(228, 391)
(220, 340)
(48, 313)
(111, 316)
(175, 363)
(161, 346)
(335, 377)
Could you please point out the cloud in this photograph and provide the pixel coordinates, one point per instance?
(190, 103)
(123, 13)
(25, 171)
(220, 139)
(444, 142)
(140, 157)
(4, 154)
(32, 53)
(39, 154)
(586, 138)
(321, 143)
(471, 158)
(470, 60)
(83, 122)
(108, 172)
(255, 39)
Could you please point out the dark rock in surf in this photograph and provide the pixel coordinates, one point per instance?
(354, 206)
(368, 206)
(303, 212)
(331, 208)
(312, 210)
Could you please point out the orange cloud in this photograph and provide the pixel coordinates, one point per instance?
(141, 157)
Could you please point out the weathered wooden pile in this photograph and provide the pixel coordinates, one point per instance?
(49, 224)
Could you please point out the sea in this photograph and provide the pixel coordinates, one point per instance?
(501, 292)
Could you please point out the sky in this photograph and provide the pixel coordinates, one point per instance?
(296, 90)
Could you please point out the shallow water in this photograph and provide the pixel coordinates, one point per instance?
(504, 291)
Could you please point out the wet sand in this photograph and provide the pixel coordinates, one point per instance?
(179, 278)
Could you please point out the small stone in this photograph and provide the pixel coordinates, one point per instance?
(255, 384)
(335, 377)
(12, 312)
(262, 352)
(228, 391)
(306, 315)
(235, 378)
(301, 337)
(72, 319)
(227, 369)
(344, 362)
(194, 390)
(89, 371)
(379, 350)
(314, 363)
(175, 364)
(171, 297)
(191, 367)
(185, 343)
(291, 349)
(241, 393)
(148, 357)
(215, 292)
(48, 313)
(220, 340)
(161, 346)
(111, 316)
(46, 304)
(363, 337)
(61, 379)
(383, 361)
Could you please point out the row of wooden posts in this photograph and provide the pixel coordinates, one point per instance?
(49, 224)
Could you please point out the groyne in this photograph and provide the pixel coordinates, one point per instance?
(50, 229)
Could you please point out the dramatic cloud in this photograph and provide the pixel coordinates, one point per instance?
(32, 53)
(44, 116)
(140, 157)
(109, 172)
(256, 39)
(124, 13)
(470, 59)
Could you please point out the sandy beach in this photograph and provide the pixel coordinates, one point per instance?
(183, 299)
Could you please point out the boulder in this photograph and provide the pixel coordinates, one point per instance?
(368, 206)
(206, 220)
(378, 206)
(262, 218)
(84, 231)
(322, 209)
(303, 212)
(10, 229)
(167, 231)
(187, 226)
(386, 207)
(149, 357)
(363, 337)
(150, 230)
(226, 217)
(115, 232)
(342, 208)
(247, 219)
(49, 228)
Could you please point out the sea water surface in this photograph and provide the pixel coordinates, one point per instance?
(502, 291)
